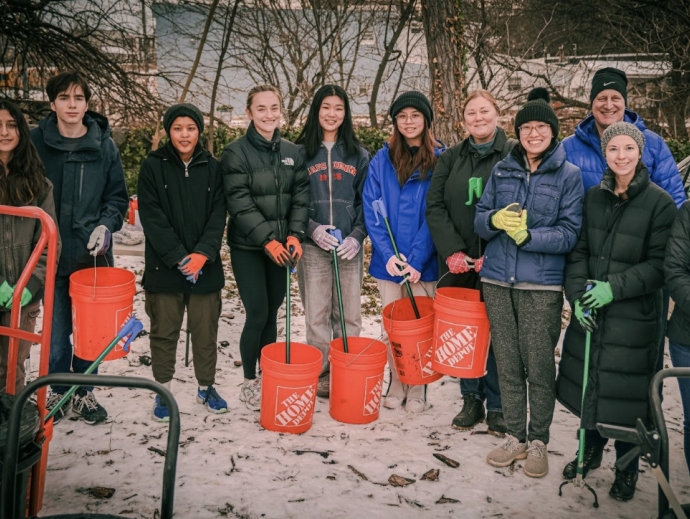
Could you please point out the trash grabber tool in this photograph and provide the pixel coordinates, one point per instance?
(339, 236)
(290, 270)
(380, 209)
(129, 330)
(579, 480)
(186, 351)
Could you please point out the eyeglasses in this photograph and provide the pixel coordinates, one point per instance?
(542, 129)
(414, 118)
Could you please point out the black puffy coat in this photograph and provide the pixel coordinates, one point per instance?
(622, 242)
(677, 269)
(267, 190)
(450, 219)
(182, 210)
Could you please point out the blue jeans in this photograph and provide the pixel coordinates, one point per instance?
(486, 387)
(62, 359)
(680, 356)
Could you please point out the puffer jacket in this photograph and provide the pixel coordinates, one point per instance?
(335, 183)
(677, 270)
(584, 150)
(182, 210)
(552, 196)
(19, 237)
(622, 242)
(89, 187)
(406, 208)
(266, 189)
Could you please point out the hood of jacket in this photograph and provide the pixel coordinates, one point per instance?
(98, 130)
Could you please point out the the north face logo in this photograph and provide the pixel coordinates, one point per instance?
(288, 161)
(424, 349)
(294, 405)
(455, 345)
(372, 395)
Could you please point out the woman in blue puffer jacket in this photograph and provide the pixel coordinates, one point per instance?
(399, 175)
(531, 214)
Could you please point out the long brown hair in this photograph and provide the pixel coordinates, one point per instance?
(404, 162)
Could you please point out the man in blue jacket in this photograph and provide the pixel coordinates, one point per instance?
(83, 163)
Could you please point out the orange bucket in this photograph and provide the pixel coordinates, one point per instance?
(96, 320)
(411, 339)
(288, 391)
(461, 333)
(356, 379)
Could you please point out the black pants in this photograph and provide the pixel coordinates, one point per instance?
(594, 439)
(262, 286)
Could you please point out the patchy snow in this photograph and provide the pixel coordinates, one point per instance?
(228, 466)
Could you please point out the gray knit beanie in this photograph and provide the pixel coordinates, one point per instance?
(416, 100)
(622, 128)
(183, 110)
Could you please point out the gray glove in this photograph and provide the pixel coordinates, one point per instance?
(323, 239)
(349, 248)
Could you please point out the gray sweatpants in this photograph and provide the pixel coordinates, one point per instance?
(525, 328)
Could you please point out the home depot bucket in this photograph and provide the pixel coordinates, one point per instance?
(288, 391)
(98, 314)
(411, 339)
(461, 333)
(356, 379)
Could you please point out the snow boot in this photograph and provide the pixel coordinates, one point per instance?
(496, 423)
(591, 460)
(623, 488)
(472, 413)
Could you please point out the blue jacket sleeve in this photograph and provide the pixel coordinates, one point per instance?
(562, 236)
(485, 208)
(372, 192)
(665, 173)
(422, 246)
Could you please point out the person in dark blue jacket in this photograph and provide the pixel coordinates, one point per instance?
(83, 163)
(337, 165)
(531, 215)
(400, 175)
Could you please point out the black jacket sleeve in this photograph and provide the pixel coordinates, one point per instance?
(298, 217)
(577, 261)
(677, 262)
(210, 242)
(115, 200)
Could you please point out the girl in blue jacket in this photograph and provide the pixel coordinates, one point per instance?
(531, 215)
(399, 175)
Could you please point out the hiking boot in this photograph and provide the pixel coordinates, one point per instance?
(210, 398)
(52, 401)
(507, 452)
(537, 464)
(472, 413)
(623, 488)
(591, 460)
(395, 397)
(250, 394)
(86, 406)
(416, 399)
(160, 411)
(323, 388)
(496, 423)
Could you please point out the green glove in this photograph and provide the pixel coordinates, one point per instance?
(508, 218)
(5, 293)
(26, 298)
(600, 295)
(588, 322)
(521, 233)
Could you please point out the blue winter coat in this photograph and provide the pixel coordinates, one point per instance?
(406, 207)
(584, 150)
(553, 200)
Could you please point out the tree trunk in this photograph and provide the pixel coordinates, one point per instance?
(442, 20)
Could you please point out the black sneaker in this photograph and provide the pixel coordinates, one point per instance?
(623, 489)
(86, 406)
(496, 423)
(472, 413)
(52, 401)
(591, 460)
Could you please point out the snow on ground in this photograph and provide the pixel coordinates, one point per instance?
(229, 466)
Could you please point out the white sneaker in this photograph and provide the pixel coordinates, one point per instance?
(395, 397)
(416, 399)
(250, 394)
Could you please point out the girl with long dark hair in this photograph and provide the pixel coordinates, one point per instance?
(22, 183)
(337, 166)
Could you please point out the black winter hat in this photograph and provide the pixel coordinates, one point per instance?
(416, 100)
(183, 110)
(609, 78)
(537, 109)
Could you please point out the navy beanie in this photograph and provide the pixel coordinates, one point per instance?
(183, 110)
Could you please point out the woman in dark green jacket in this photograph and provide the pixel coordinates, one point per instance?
(267, 192)
(456, 187)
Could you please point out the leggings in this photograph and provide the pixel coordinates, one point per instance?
(261, 284)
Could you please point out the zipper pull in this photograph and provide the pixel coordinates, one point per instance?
(186, 171)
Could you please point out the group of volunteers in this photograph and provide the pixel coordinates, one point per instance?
(522, 220)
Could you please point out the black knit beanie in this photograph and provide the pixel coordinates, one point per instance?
(537, 109)
(183, 110)
(609, 78)
(416, 100)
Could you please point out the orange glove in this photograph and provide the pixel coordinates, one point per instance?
(192, 263)
(294, 243)
(277, 253)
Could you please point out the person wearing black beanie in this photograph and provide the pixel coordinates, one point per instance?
(416, 100)
(183, 110)
(609, 78)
